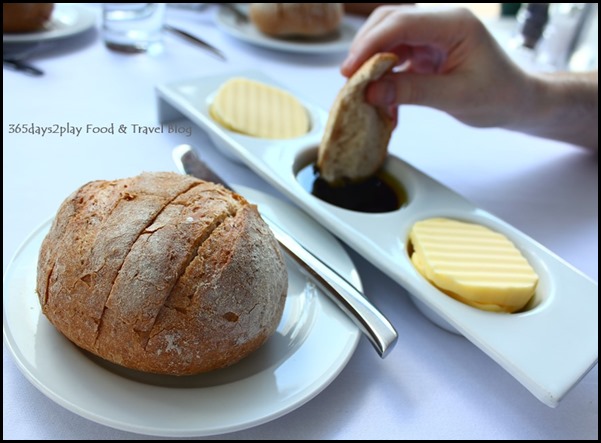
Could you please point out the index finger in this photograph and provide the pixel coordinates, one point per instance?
(393, 28)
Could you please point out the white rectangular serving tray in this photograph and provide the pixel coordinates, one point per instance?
(548, 348)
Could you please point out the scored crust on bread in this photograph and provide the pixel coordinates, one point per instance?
(162, 273)
(355, 140)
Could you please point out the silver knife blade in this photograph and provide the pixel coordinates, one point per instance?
(374, 325)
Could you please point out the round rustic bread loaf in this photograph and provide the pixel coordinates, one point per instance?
(25, 17)
(162, 273)
(296, 19)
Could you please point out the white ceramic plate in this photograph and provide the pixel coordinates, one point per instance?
(548, 348)
(66, 20)
(312, 344)
(339, 42)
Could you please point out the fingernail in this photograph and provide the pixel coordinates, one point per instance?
(346, 65)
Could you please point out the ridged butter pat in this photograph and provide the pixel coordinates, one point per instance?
(253, 108)
(473, 264)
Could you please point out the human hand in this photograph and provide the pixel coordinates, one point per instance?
(448, 60)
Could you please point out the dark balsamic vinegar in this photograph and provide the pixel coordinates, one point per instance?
(379, 193)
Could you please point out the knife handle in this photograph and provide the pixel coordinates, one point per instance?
(366, 316)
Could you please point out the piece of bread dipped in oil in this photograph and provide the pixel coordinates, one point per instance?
(355, 141)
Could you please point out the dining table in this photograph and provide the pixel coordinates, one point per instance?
(434, 384)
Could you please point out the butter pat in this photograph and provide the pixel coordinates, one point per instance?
(473, 264)
(253, 108)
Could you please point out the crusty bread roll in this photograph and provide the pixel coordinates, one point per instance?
(162, 273)
(296, 19)
(25, 17)
(355, 140)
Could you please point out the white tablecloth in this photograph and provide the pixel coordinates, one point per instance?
(434, 385)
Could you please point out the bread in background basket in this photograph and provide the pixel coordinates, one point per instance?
(25, 17)
(296, 19)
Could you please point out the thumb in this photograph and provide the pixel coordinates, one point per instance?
(433, 90)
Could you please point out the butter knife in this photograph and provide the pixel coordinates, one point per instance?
(374, 325)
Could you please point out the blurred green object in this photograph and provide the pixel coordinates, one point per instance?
(510, 9)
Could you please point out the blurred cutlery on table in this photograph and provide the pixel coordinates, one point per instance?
(14, 54)
(21, 66)
(241, 17)
(196, 40)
